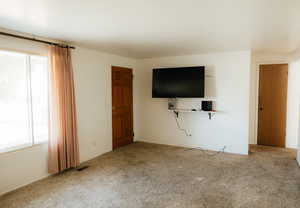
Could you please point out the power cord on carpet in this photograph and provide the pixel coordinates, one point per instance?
(222, 150)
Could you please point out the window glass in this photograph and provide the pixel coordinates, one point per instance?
(14, 99)
(39, 89)
(23, 100)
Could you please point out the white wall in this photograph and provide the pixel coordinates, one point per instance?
(93, 99)
(292, 119)
(227, 82)
(293, 104)
(296, 66)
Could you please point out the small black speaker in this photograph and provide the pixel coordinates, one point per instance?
(206, 105)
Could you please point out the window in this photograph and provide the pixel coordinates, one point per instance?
(23, 100)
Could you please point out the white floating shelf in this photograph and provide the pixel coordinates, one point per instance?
(177, 111)
(190, 110)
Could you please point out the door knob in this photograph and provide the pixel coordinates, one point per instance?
(261, 108)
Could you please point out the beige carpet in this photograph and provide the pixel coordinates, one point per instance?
(159, 176)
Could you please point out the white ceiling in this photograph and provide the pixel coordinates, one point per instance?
(153, 28)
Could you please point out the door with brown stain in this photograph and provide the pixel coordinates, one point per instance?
(122, 106)
(272, 104)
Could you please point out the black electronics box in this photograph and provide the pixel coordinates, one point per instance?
(207, 106)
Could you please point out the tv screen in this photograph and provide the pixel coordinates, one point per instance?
(182, 82)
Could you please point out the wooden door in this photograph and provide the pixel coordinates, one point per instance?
(122, 108)
(272, 104)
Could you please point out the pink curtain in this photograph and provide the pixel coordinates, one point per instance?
(63, 150)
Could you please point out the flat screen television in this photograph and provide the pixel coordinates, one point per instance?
(181, 82)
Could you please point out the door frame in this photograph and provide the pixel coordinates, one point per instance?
(111, 104)
(257, 70)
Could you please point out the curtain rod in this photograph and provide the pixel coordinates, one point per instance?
(36, 40)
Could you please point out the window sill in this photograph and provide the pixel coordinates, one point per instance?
(20, 147)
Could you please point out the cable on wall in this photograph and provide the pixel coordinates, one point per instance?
(178, 125)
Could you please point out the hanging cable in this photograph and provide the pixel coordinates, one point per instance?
(178, 125)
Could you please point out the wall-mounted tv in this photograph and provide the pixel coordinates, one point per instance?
(181, 82)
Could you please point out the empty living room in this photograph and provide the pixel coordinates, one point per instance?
(150, 104)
